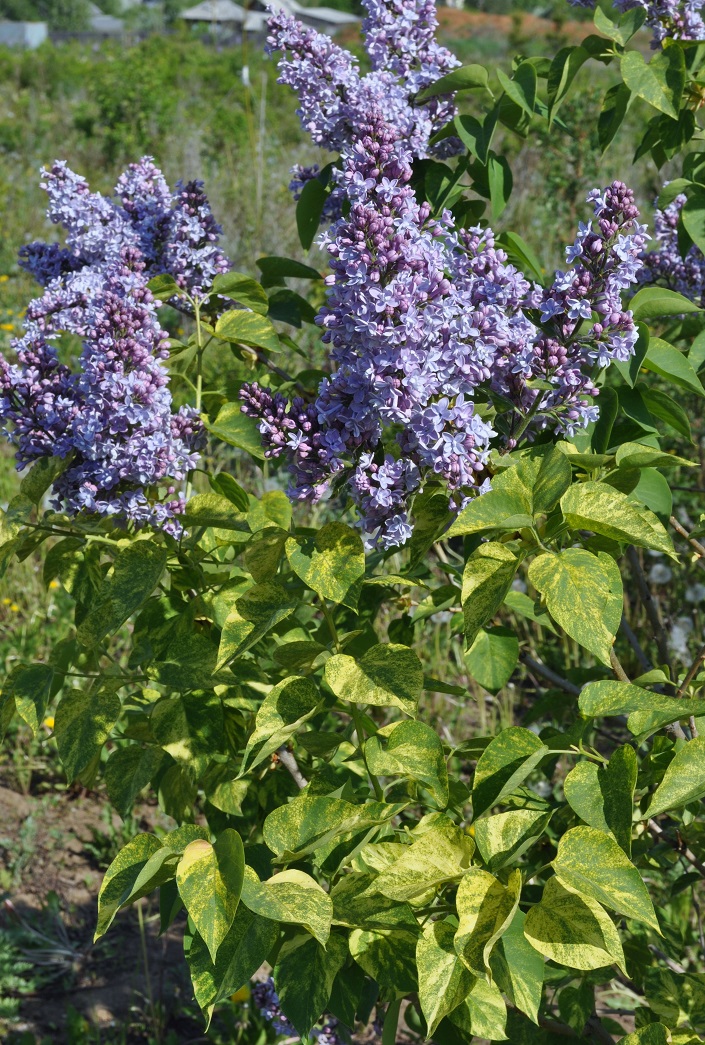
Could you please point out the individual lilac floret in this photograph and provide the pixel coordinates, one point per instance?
(669, 19)
(174, 233)
(266, 999)
(110, 418)
(666, 265)
(335, 100)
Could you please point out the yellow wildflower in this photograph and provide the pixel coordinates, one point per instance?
(48, 722)
(7, 326)
(14, 608)
(54, 585)
(4, 279)
(6, 602)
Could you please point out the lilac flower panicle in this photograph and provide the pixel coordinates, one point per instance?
(174, 233)
(109, 414)
(335, 99)
(669, 19)
(666, 266)
(422, 320)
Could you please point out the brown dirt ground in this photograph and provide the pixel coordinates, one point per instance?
(47, 845)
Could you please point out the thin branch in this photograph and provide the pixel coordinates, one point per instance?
(617, 667)
(651, 608)
(288, 760)
(692, 671)
(633, 641)
(550, 675)
(660, 835)
(694, 544)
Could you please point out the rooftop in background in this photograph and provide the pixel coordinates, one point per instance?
(254, 17)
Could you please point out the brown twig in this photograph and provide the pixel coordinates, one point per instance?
(651, 608)
(633, 641)
(694, 544)
(617, 667)
(692, 671)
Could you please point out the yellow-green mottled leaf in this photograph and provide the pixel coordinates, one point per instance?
(592, 864)
(212, 509)
(290, 896)
(30, 686)
(388, 956)
(309, 822)
(237, 429)
(413, 750)
(483, 1014)
(189, 725)
(132, 579)
(247, 328)
(283, 711)
(493, 657)
(604, 797)
(647, 711)
(439, 855)
(273, 507)
(245, 947)
(304, 975)
(602, 509)
(683, 781)
(487, 578)
(256, 612)
(83, 722)
(387, 675)
(573, 929)
(504, 764)
(502, 839)
(210, 880)
(655, 1034)
(485, 909)
(356, 906)
(264, 553)
(583, 594)
(121, 876)
(332, 564)
(444, 982)
(127, 772)
(518, 969)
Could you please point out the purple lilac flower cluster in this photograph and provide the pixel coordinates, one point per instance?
(666, 266)
(175, 233)
(669, 19)
(266, 999)
(335, 99)
(425, 322)
(109, 415)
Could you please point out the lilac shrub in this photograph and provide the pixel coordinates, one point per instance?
(674, 19)
(109, 416)
(665, 265)
(427, 323)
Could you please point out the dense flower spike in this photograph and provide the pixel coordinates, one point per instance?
(335, 100)
(666, 265)
(109, 417)
(174, 233)
(425, 324)
(674, 19)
